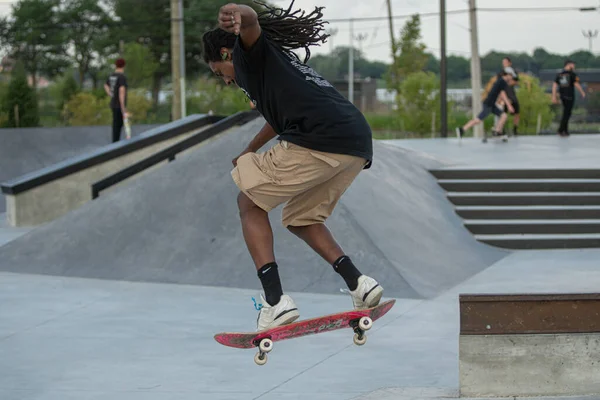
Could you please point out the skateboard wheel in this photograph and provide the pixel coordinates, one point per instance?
(365, 323)
(260, 358)
(359, 340)
(266, 345)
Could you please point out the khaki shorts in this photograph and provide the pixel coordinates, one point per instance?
(311, 182)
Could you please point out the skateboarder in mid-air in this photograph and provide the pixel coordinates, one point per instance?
(489, 105)
(324, 143)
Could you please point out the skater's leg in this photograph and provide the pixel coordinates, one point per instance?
(257, 231)
(320, 239)
(471, 123)
(501, 121)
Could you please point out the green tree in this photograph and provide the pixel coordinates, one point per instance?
(67, 88)
(419, 101)
(409, 53)
(34, 36)
(141, 66)
(534, 103)
(458, 68)
(89, 25)
(20, 101)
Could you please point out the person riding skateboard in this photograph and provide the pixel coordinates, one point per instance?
(498, 91)
(324, 143)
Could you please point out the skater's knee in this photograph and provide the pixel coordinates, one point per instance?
(244, 203)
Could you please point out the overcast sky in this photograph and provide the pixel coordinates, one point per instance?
(558, 32)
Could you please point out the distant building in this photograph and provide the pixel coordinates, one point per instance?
(365, 93)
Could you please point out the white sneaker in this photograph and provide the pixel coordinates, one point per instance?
(282, 313)
(367, 293)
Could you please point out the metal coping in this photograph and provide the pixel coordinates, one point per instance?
(106, 153)
(497, 314)
(171, 152)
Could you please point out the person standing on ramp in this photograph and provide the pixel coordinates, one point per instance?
(116, 88)
(565, 83)
(324, 143)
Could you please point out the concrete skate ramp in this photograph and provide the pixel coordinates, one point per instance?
(179, 224)
(29, 149)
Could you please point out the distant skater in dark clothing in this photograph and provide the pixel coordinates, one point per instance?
(498, 91)
(511, 94)
(565, 83)
(116, 89)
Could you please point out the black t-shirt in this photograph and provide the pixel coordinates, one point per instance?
(115, 81)
(510, 90)
(566, 84)
(492, 96)
(301, 106)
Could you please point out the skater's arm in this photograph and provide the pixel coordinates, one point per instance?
(581, 91)
(504, 98)
(241, 20)
(554, 89)
(122, 91)
(107, 89)
(262, 137)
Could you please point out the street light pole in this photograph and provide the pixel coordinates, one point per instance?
(351, 64)
(443, 71)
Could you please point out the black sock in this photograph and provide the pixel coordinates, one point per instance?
(269, 277)
(515, 129)
(348, 271)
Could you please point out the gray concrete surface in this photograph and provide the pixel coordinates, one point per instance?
(180, 224)
(29, 149)
(65, 336)
(576, 151)
(71, 338)
(529, 365)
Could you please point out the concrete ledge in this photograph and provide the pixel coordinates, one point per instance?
(529, 365)
(47, 194)
(529, 345)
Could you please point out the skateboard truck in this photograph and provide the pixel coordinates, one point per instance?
(359, 326)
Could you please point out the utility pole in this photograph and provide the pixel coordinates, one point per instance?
(351, 64)
(590, 36)
(176, 47)
(391, 25)
(475, 68)
(443, 71)
(182, 60)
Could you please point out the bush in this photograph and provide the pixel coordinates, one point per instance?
(419, 104)
(138, 105)
(19, 95)
(210, 95)
(67, 88)
(85, 109)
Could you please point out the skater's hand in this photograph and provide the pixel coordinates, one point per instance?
(235, 160)
(230, 18)
(555, 100)
(511, 109)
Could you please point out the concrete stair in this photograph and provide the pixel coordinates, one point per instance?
(527, 209)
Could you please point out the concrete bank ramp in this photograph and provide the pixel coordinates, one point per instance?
(29, 149)
(180, 224)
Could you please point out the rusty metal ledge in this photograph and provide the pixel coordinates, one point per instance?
(483, 314)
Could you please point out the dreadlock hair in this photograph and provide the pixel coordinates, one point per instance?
(288, 30)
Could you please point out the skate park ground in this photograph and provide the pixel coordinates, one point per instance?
(121, 298)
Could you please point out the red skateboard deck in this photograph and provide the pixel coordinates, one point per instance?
(358, 320)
